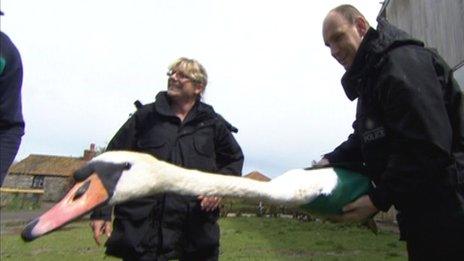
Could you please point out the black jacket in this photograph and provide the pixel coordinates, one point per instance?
(408, 133)
(11, 77)
(164, 223)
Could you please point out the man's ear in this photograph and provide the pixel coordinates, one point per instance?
(199, 88)
(362, 26)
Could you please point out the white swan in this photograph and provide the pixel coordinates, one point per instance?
(120, 176)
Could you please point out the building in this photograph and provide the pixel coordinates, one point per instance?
(257, 176)
(51, 173)
(437, 23)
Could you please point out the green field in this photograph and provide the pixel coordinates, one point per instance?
(244, 238)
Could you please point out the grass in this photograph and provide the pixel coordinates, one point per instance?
(287, 239)
(242, 239)
(17, 201)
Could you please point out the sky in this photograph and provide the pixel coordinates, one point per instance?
(270, 74)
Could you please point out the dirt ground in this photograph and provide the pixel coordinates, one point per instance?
(12, 222)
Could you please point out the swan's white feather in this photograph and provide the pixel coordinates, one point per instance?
(303, 186)
(149, 176)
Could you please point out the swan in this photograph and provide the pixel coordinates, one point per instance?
(118, 176)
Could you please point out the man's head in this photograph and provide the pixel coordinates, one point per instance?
(187, 79)
(343, 30)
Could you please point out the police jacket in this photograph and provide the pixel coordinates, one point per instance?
(409, 132)
(163, 223)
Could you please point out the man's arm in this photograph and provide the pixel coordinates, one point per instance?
(348, 152)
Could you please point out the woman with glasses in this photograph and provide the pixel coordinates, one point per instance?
(179, 128)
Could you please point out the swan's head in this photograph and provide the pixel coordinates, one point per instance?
(112, 177)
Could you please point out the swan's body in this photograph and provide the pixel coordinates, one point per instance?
(116, 177)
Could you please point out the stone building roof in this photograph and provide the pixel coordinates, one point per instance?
(47, 165)
(257, 176)
(50, 165)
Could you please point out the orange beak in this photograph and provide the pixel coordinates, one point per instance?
(81, 199)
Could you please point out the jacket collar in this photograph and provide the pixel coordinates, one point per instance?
(352, 76)
(375, 45)
(200, 111)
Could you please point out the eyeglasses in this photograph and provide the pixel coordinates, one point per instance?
(179, 75)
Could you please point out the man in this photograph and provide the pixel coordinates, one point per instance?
(408, 133)
(180, 129)
(11, 117)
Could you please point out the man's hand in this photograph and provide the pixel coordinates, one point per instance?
(209, 203)
(101, 227)
(357, 211)
(321, 163)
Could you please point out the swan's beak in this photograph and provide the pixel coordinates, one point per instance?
(80, 200)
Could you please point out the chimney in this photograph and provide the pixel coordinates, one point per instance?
(89, 154)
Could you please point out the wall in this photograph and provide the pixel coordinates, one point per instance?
(438, 23)
(18, 181)
(55, 188)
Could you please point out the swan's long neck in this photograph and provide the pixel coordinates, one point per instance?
(164, 177)
(194, 182)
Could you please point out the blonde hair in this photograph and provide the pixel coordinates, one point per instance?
(349, 12)
(192, 69)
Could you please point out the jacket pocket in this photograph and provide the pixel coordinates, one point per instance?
(204, 145)
(127, 236)
(154, 147)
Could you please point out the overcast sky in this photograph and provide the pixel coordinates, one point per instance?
(86, 62)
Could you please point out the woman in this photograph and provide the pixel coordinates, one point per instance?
(180, 129)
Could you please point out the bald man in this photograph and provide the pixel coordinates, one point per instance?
(408, 132)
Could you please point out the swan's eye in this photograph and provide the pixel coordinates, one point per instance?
(81, 190)
(127, 165)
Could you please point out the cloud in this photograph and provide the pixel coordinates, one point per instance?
(86, 62)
